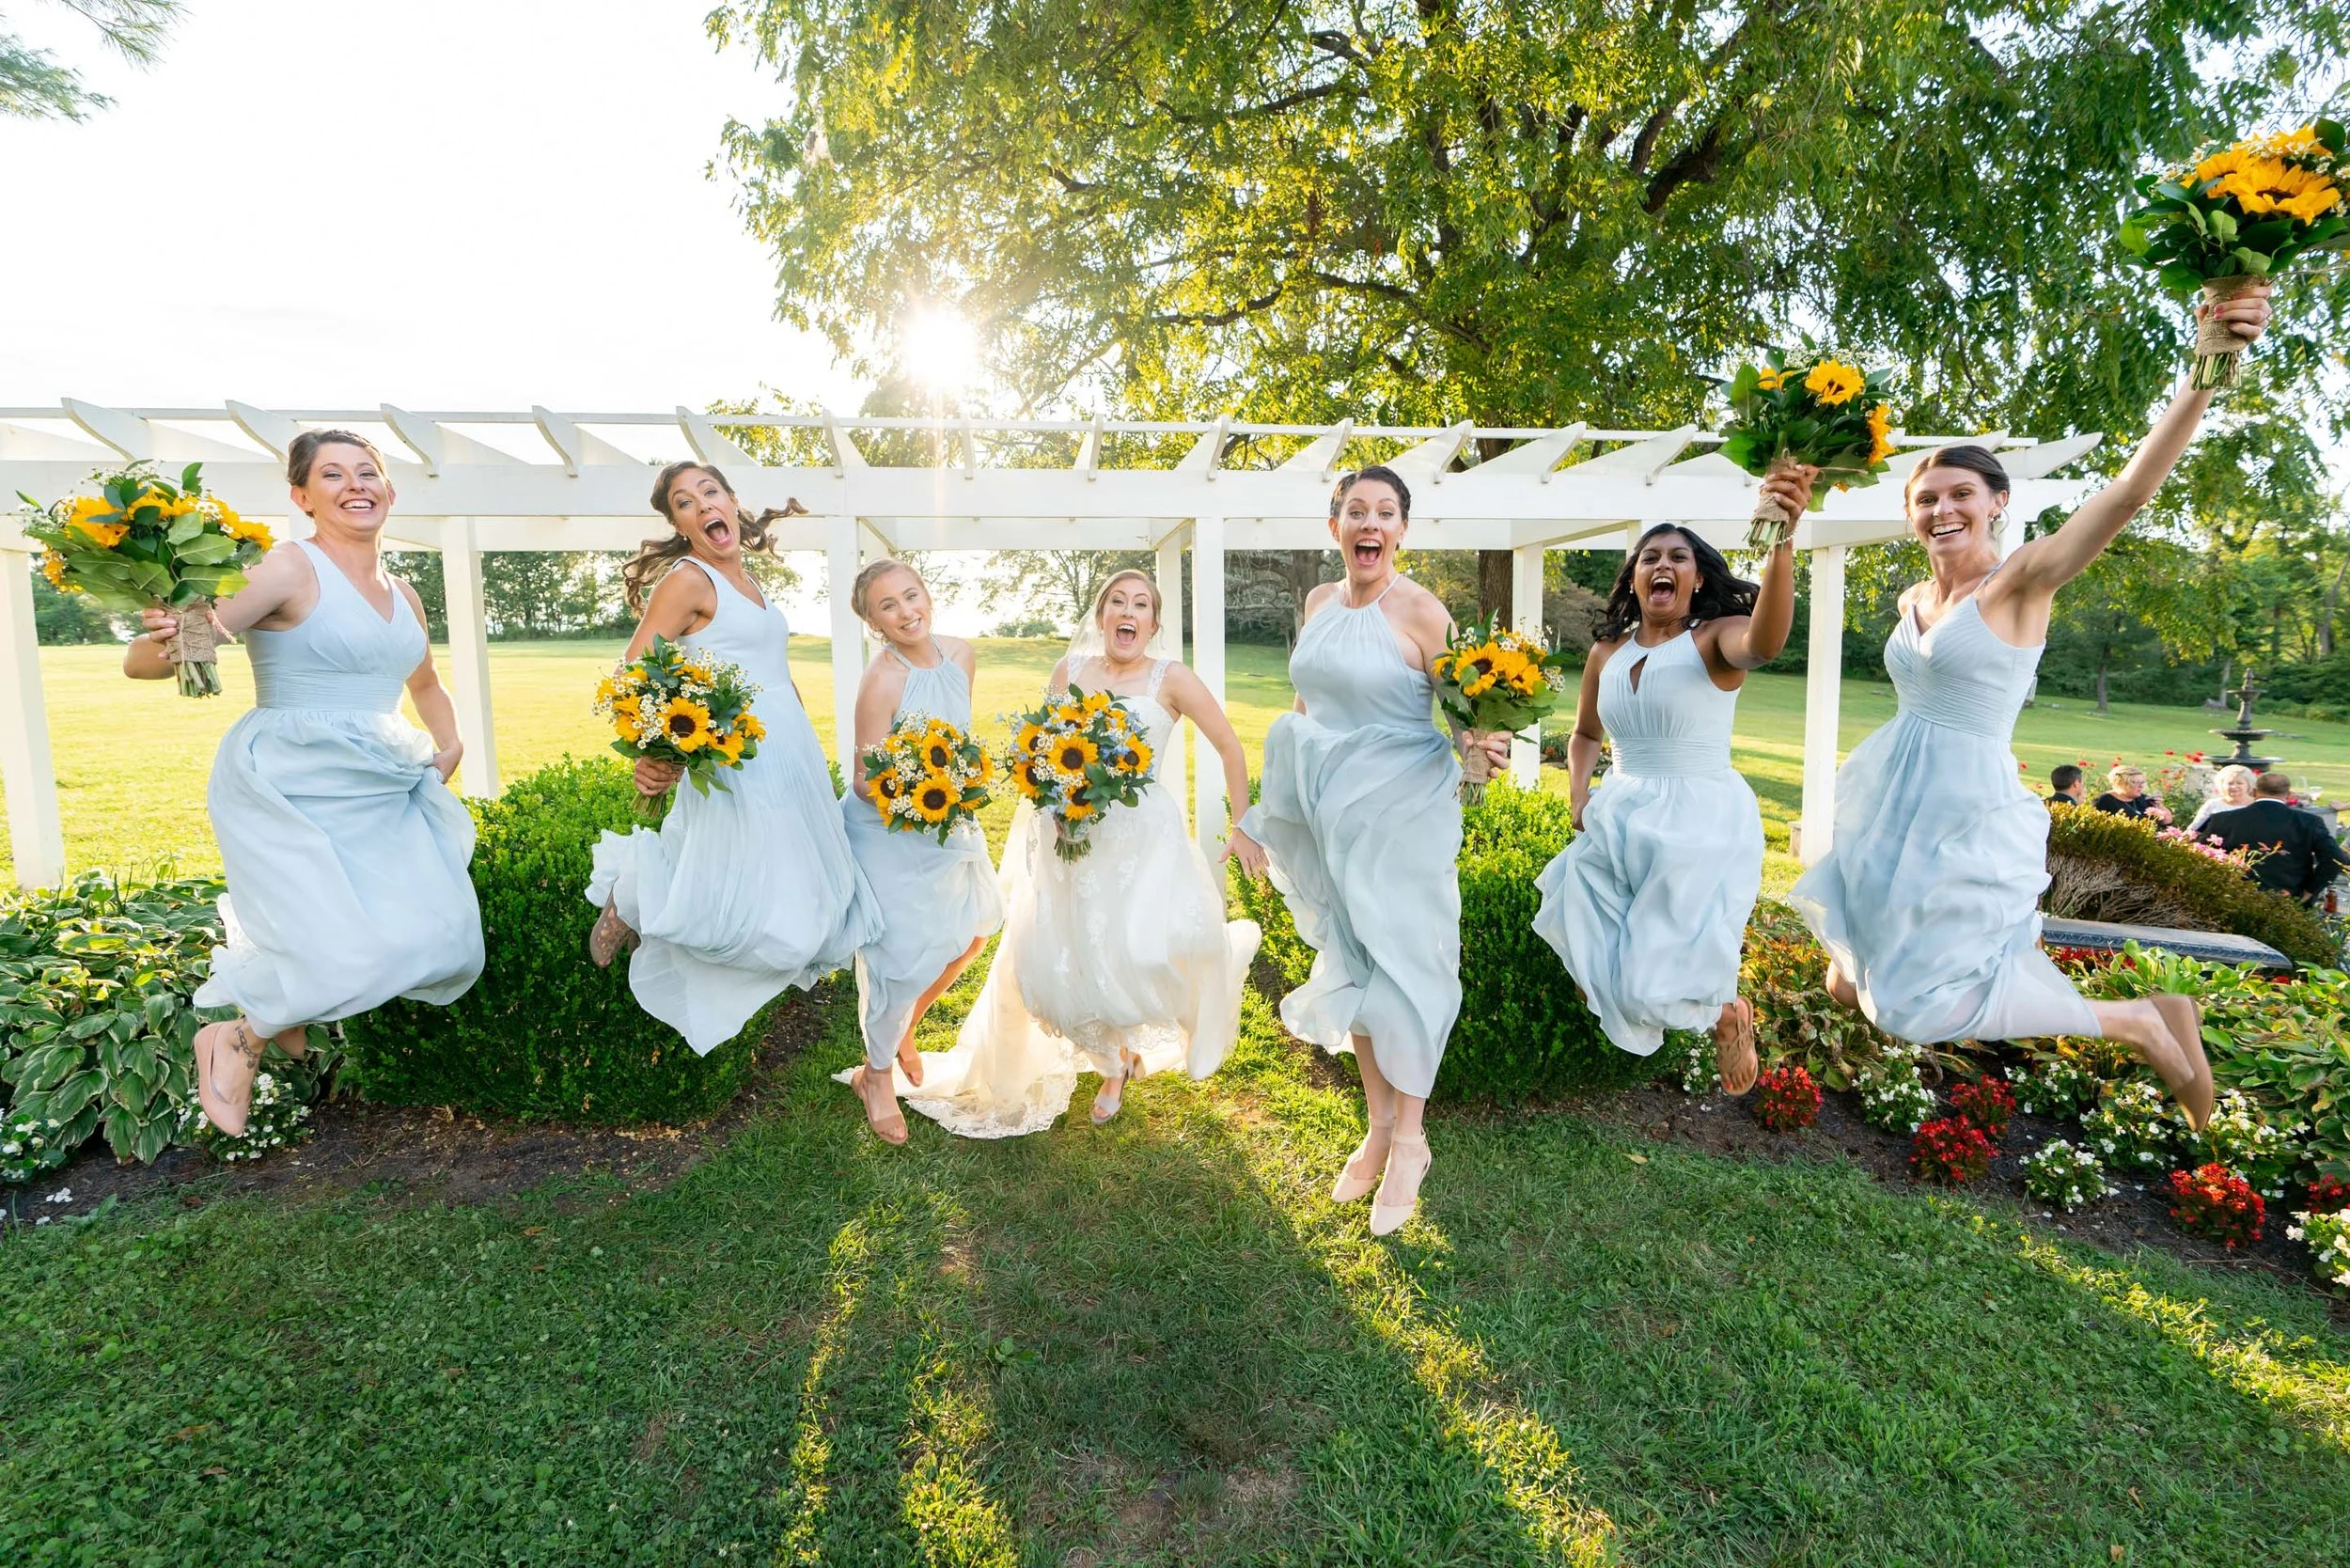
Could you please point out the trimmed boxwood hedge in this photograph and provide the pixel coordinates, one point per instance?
(545, 1033)
(1523, 1031)
(2108, 867)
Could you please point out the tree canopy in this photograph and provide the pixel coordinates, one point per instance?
(33, 84)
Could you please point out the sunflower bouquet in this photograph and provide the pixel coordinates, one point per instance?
(2239, 215)
(679, 706)
(1812, 410)
(143, 542)
(1491, 678)
(1075, 756)
(927, 776)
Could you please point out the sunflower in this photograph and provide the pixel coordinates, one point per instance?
(748, 727)
(935, 796)
(985, 769)
(241, 528)
(53, 568)
(1068, 713)
(1096, 703)
(1880, 433)
(1029, 736)
(85, 516)
(1029, 779)
(685, 724)
(889, 787)
(1073, 753)
(728, 746)
(1076, 811)
(1771, 381)
(1834, 384)
(937, 751)
(1135, 759)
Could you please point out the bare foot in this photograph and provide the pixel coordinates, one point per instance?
(880, 1105)
(1399, 1192)
(1363, 1168)
(225, 1065)
(1733, 1047)
(910, 1061)
(2189, 1079)
(1842, 991)
(295, 1042)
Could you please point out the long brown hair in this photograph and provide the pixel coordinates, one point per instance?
(654, 558)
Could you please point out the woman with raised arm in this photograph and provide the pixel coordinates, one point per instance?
(344, 849)
(1927, 897)
(751, 888)
(1648, 905)
(938, 901)
(1120, 960)
(1361, 818)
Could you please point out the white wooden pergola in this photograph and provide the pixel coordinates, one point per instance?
(1572, 487)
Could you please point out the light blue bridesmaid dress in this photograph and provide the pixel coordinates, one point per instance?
(751, 888)
(934, 897)
(1360, 817)
(1648, 905)
(345, 853)
(1928, 896)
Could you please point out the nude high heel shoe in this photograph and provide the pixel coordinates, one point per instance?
(1387, 1217)
(1349, 1186)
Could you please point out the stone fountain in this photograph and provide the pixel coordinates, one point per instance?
(2245, 733)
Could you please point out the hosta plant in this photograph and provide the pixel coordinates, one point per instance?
(2066, 1175)
(1950, 1152)
(2215, 1203)
(282, 1093)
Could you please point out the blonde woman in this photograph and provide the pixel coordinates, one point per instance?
(2230, 788)
(346, 855)
(750, 889)
(1123, 959)
(938, 901)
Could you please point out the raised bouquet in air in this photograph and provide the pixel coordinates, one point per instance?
(1806, 409)
(927, 776)
(679, 706)
(1489, 677)
(2239, 215)
(141, 541)
(1074, 758)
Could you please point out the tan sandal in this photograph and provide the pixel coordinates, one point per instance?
(890, 1129)
(611, 936)
(1734, 1058)
(910, 1061)
(1127, 1062)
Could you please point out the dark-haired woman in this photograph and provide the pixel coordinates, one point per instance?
(1927, 899)
(345, 853)
(1360, 821)
(751, 888)
(1648, 906)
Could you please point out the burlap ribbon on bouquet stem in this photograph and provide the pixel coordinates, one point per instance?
(1773, 524)
(2219, 352)
(194, 650)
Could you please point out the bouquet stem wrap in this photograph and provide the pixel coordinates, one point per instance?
(1773, 524)
(194, 650)
(2219, 352)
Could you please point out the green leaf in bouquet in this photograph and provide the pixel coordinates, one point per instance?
(185, 528)
(2222, 225)
(120, 489)
(2330, 135)
(189, 483)
(1743, 385)
(206, 549)
(2252, 262)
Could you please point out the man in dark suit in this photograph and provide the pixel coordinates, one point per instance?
(2292, 852)
(2065, 785)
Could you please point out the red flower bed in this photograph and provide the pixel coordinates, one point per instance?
(2215, 1203)
(2081, 958)
(1787, 1100)
(1950, 1149)
(1987, 1105)
(2328, 1195)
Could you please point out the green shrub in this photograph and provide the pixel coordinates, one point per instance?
(2104, 866)
(1524, 1030)
(545, 1033)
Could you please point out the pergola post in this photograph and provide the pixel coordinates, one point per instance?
(1169, 582)
(1207, 662)
(35, 833)
(1822, 685)
(469, 655)
(848, 637)
(1525, 615)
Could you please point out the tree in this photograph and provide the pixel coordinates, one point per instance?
(1060, 583)
(34, 85)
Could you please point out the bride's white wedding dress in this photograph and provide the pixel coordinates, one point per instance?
(1125, 949)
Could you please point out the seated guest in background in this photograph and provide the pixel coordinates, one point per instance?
(2066, 786)
(2127, 796)
(2292, 852)
(2230, 786)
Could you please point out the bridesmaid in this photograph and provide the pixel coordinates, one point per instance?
(749, 888)
(1926, 900)
(1361, 819)
(1648, 906)
(938, 901)
(344, 849)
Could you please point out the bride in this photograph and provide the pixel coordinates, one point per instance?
(1120, 960)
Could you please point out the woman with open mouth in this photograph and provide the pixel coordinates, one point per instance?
(346, 853)
(938, 901)
(1648, 905)
(1361, 819)
(749, 888)
(1927, 900)
(1120, 960)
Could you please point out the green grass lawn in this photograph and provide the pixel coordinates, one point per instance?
(1154, 1343)
(131, 757)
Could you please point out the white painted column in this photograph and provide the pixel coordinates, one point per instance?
(1525, 615)
(1822, 685)
(469, 656)
(35, 833)
(1207, 662)
(1171, 646)
(848, 636)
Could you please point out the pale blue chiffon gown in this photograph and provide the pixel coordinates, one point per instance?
(750, 889)
(345, 853)
(1648, 905)
(1928, 896)
(1360, 817)
(935, 899)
